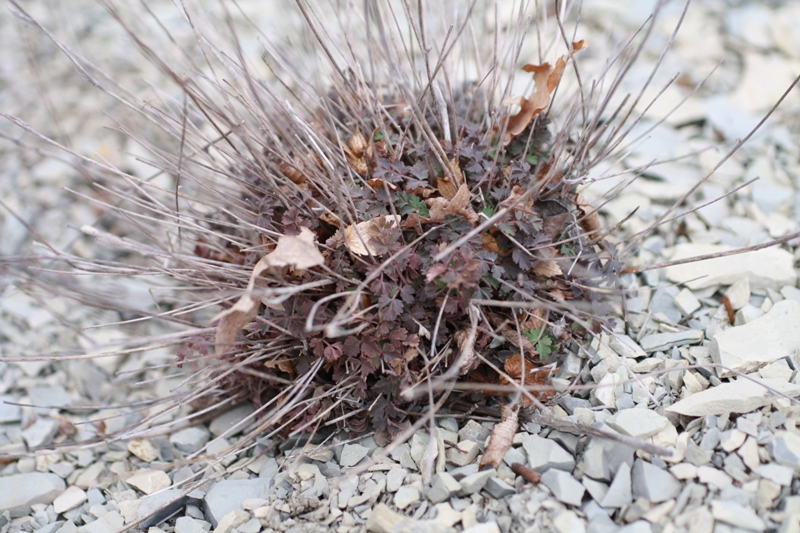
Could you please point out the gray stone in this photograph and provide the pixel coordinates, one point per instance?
(48, 397)
(463, 453)
(597, 489)
(233, 519)
(463, 471)
(732, 513)
(660, 342)
(544, 454)
(626, 346)
(475, 482)
(782, 475)
(8, 412)
(639, 423)
(402, 454)
(619, 493)
(785, 448)
(653, 483)
(228, 495)
(662, 303)
(160, 506)
(498, 488)
(40, 433)
(251, 526)
(687, 302)
(186, 524)
(514, 455)
(740, 396)
(443, 485)
(394, 479)
(352, 454)
(767, 268)
(190, 440)
(20, 491)
(406, 496)
(602, 458)
(739, 293)
(473, 431)
(69, 499)
(149, 480)
(759, 342)
(232, 421)
(563, 486)
(111, 522)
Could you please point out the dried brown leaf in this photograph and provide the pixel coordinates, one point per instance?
(298, 251)
(441, 207)
(547, 268)
(358, 152)
(545, 80)
(449, 184)
(284, 365)
(590, 221)
(502, 436)
(378, 184)
(490, 243)
(357, 236)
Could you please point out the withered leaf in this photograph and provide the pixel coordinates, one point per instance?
(547, 268)
(449, 184)
(357, 236)
(358, 151)
(441, 207)
(298, 251)
(590, 221)
(545, 80)
(502, 436)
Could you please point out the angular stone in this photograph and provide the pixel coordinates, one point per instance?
(544, 454)
(653, 483)
(41, 432)
(69, 499)
(740, 396)
(768, 268)
(730, 440)
(190, 440)
(352, 454)
(732, 513)
(443, 485)
(394, 479)
(498, 488)
(626, 346)
(785, 448)
(160, 506)
(660, 342)
(149, 480)
(619, 493)
(8, 412)
(767, 339)
(563, 486)
(639, 423)
(144, 449)
(739, 293)
(233, 421)
(233, 519)
(687, 302)
(405, 496)
(464, 453)
(475, 482)
(186, 524)
(20, 491)
(228, 495)
(780, 474)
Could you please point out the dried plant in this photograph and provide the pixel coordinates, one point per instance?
(405, 225)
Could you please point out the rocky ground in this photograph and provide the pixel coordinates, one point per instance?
(703, 361)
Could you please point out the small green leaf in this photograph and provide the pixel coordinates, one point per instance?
(544, 342)
(532, 159)
(378, 135)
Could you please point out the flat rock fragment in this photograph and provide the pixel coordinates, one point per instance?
(659, 342)
(544, 454)
(732, 513)
(759, 342)
(653, 483)
(638, 423)
(563, 486)
(768, 268)
(20, 491)
(228, 495)
(740, 396)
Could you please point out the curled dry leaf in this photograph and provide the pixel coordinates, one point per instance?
(358, 152)
(502, 436)
(590, 221)
(528, 474)
(449, 184)
(357, 237)
(545, 79)
(547, 266)
(297, 251)
(441, 207)
(378, 184)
